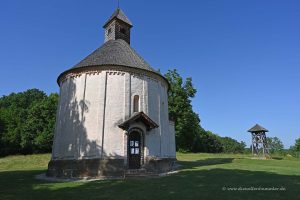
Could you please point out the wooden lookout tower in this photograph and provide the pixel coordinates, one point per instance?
(259, 141)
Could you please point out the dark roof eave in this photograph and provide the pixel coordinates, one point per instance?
(74, 69)
(257, 129)
(108, 22)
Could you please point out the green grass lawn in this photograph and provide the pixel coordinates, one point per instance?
(202, 176)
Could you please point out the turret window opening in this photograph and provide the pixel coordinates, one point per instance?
(123, 30)
(109, 31)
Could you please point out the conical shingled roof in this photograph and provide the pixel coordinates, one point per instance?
(115, 52)
(118, 14)
(257, 128)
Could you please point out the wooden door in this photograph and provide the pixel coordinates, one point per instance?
(134, 150)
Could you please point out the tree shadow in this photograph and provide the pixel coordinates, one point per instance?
(204, 162)
(71, 137)
(277, 158)
(78, 152)
(190, 183)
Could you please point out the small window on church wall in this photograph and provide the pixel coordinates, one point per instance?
(136, 102)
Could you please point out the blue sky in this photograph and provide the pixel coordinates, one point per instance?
(243, 56)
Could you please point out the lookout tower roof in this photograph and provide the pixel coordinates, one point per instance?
(257, 128)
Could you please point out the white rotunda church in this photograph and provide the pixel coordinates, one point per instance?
(113, 113)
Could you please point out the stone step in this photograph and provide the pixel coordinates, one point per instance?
(140, 173)
(142, 176)
(136, 171)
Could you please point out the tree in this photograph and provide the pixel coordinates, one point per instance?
(211, 142)
(295, 150)
(275, 145)
(187, 122)
(1, 131)
(38, 132)
(26, 118)
(232, 146)
(297, 145)
(14, 112)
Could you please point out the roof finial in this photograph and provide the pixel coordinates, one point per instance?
(118, 4)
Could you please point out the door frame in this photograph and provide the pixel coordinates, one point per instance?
(142, 142)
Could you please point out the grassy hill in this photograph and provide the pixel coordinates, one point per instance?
(202, 176)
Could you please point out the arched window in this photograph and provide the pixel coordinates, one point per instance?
(136, 103)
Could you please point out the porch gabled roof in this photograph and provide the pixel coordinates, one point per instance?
(139, 117)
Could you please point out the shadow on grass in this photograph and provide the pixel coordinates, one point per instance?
(205, 162)
(188, 184)
(277, 158)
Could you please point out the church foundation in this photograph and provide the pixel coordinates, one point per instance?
(107, 168)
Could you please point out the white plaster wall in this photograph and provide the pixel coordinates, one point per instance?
(153, 137)
(137, 88)
(172, 148)
(161, 141)
(127, 96)
(165, 134)
(169, 143)
(56, 145)
(90, 137)
(92, 105)
(69, 114)
(113, 135)
(62, 119)
(76, 128)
